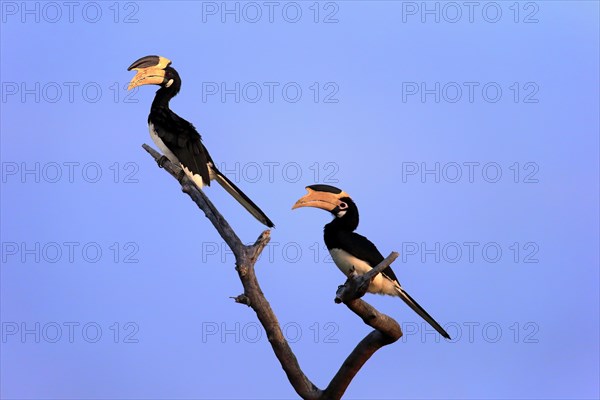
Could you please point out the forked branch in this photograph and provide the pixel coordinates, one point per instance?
(386, 330)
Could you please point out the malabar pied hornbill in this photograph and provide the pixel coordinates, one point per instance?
(176, 137)
(350, 250)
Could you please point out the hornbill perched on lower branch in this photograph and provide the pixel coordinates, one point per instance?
(351, 251)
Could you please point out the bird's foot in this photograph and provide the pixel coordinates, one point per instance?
(362, 286)
(161, 161)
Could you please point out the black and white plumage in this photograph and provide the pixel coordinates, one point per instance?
(351, 251)
(177, 138)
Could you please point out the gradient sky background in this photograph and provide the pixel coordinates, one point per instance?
(525, 322)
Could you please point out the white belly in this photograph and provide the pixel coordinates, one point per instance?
(161, 145)
(380, 285)
(197, 179)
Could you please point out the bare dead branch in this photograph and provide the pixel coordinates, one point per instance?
(387, 330)
(187, 186)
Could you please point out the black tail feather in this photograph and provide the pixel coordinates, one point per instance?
(421, 311)
(244, 200)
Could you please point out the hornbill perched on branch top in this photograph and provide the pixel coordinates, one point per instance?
(176, 137)
(350, 250)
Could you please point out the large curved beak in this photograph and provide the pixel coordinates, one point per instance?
(147, 76)
(150, 71)
(324, 200)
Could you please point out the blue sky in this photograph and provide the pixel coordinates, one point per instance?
(466, 134)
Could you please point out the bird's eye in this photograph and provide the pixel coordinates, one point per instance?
(343, 206)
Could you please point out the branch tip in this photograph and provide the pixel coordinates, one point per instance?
(258, 246)
(241, 299)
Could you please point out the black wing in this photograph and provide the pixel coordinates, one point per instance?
(183, 140)
(362, 248)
